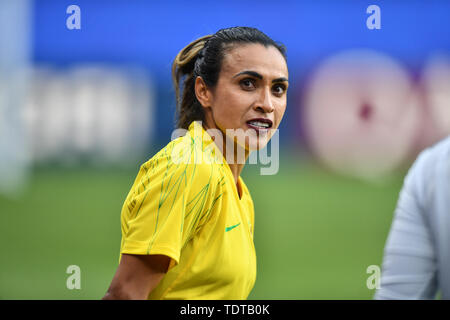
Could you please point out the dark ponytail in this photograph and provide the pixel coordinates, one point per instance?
(188, 108)
(203, 57)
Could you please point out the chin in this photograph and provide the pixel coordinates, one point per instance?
(250, 140)
(256, 143)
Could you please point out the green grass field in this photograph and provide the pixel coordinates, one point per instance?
(315, 232)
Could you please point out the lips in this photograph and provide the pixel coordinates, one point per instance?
(260, 124)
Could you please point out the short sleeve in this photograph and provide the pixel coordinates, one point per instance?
(168, 205)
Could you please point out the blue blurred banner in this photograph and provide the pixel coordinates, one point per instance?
(150, 34)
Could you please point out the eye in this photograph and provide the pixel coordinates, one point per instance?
(248, 83)
(279, 89)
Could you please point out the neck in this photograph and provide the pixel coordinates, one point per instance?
(235, 165)
(236, 170)
(237, 157)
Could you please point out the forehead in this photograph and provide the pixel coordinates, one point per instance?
(268, 61)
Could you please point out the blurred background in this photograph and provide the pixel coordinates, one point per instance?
(84, 102)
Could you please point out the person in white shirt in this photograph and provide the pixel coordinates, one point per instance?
(416, 262)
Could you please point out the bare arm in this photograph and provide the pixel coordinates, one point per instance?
(137, 276)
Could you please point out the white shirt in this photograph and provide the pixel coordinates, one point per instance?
(416, 261)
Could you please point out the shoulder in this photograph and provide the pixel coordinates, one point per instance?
(183, 160)
(430, 158)
(431, 165)
(440, 149)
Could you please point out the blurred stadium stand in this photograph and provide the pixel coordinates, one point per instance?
(88, 114)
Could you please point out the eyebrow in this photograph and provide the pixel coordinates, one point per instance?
(259, 76)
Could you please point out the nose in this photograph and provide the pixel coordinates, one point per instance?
(265, 103)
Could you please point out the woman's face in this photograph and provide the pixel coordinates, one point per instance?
(252, 85)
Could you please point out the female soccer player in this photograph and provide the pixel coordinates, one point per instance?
(187, 223)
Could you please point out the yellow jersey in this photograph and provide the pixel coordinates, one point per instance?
(185, 204)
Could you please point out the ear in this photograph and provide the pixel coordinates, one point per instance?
(203, 94)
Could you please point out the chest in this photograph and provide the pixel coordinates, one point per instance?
(224, 252)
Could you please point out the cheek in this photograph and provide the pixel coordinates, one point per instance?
(231, 105)
(279, 112)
